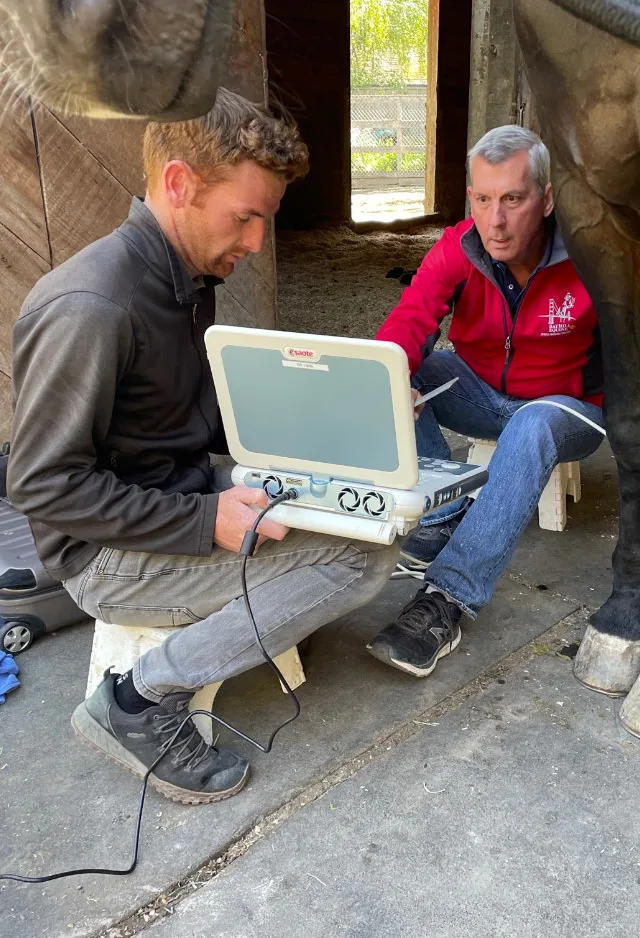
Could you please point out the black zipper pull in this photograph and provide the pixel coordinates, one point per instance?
(194, 310)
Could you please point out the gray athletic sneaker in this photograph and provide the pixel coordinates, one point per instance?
(426, 630)
(191, 772)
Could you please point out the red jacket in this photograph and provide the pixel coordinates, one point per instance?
(551, 346)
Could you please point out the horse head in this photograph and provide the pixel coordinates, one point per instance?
(117, 58)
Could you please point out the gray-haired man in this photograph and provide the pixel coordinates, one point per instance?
(523, 328)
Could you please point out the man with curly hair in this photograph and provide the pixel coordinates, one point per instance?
(115, 420)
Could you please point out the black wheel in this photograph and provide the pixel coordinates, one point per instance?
(15, 637)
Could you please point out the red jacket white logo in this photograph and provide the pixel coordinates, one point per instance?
(550, 344)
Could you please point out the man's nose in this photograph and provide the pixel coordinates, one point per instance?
(497, 217)
(253, 236)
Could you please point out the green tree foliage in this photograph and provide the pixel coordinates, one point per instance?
(388, 42)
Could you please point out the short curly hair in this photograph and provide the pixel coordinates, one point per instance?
(234, 130)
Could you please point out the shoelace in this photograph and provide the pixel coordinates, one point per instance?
(185, 755)
(412, 616)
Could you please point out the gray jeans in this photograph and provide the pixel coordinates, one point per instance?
(295, 586)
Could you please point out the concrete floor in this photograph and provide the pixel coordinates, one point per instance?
(355, 750)
(507, 816)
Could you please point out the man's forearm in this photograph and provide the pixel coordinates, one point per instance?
(97, 508)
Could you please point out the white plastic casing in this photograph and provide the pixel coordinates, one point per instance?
(352, 502)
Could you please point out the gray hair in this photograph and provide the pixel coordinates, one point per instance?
(499, 144)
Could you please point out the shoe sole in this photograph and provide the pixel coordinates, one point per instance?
(383, 653)
(96, 737)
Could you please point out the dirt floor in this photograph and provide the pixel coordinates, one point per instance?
(333, 280)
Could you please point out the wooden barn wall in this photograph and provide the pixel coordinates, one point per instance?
(309, 70)
(65, 182)
(499, 93)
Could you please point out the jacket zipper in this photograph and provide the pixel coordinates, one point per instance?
(194, 310)
(508, 334)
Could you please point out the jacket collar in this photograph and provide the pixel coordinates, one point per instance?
(142, 230)
(473, 248)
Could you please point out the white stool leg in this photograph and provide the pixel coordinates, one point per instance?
(289, 665)
(552, 507)
(574, 485)
(481, 451)
(203, 700)
(291, 668)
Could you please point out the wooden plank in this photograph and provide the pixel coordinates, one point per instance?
(494, 68)
(6, 409)
(454, 50)
(248, 296)
(21, 208)
(230, 311)
(246, 62)
(264, 263)
(20, 267)
(308, 60)
(432, 108)
(527, 115)
(254, 295)
(116, 144)
(83, 201)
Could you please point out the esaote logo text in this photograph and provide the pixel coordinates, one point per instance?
(301, 354)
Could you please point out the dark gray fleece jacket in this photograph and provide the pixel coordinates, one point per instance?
(115, 412)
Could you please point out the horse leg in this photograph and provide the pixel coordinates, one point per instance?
(607, 258)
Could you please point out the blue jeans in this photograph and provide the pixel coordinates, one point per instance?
(530, 444)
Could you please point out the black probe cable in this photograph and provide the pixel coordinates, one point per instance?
(248, 547)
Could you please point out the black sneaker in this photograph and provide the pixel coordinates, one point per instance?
(422, 547)
(191, 772)
(426, 630)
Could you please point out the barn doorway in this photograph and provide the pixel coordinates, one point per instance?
(393, 89)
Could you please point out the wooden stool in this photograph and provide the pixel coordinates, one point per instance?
(552, 507)
(119, 646)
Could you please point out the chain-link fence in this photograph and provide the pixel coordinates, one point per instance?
(388, 137)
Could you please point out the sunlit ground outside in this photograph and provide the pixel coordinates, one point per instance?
(388, 108)
(386, 205)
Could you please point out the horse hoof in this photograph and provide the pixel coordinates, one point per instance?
(630, 710)
(607, 664)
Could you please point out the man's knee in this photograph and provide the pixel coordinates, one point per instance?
(553, 428)
(437, 367)
(534, 426)
(378, 561)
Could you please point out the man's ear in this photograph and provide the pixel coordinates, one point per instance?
(179, 182)
(547, 198)
(469, 202)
